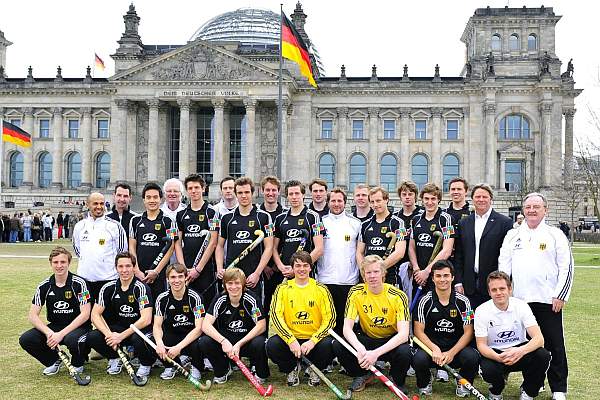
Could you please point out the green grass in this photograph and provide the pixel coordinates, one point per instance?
(20, 375)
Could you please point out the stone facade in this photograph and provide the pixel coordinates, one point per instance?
(154, 103)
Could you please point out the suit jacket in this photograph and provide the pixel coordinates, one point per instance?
(489, 249)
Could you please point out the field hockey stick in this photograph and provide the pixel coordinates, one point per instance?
(251, 378)
(453, 372)
(330, 385)
(81, 380)
(167, 240)
(206, 234)
(390, 385)
(436, 250)
(390, 247)
(184, 372)
(137, 380)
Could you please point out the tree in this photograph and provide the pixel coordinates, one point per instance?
(587, 168)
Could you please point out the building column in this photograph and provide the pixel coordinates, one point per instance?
(342, 170)
(86, 156)
(490, 147)
(28, 151)
(118, 131)
(288, 109)
(502, 187)
(373, 132)
(404, 163)
(219, 148)
(184, 137)
(569, 113)
(313, 169)
(153, 105)
(57, 150)
(436, 145)
(464, 134)
(131, 146)
(226, 139)
(164, 135)
(250, 105)
(546, 159)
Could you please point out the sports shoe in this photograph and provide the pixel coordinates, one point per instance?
(79, 370)
(293, 378)
(559, 396)
(185, 361)
(525, 396)
(462, 391)
(195, 373)
(380, 365)
(410, 372)
(219, 380)
(495, 397)
(53, 369)
(313, 378)
(114, 366)
(360, 382)
(143, 371)
(427, 390)
(441, 376)
(328, 369)
(261, 381)
(157, 364)
(168, 374)
(207, 365)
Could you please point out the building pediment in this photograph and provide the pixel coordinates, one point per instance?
(512, 149)
(197, 61)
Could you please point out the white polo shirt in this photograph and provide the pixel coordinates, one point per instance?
(337, 265)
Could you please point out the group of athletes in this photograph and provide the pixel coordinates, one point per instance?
(206, 283)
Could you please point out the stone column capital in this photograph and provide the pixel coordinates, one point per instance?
(437, 112)
(314, 111)
(546, 107)
(404, 112)
(489, 108)
(342, 112)
(373, 112)
(121, 103)
(57, 111)
(184, 103)
(569, 112)
(153, 103)
(86, 111)
(250, 103)
(132, 106)
(27, 111)
(218, 103)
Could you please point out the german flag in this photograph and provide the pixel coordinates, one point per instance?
(294, 48)
(13, 134)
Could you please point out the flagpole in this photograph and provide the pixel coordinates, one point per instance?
(280, 97)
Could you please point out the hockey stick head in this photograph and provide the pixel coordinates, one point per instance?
(269, 391)
(82, 380)
(259, 233)
(139, 380)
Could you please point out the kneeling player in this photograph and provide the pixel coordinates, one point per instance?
(382, 312)
(178, 319)
(234, 325)
(444, 323)
(122, 302)
(67, 310)
(302, 313)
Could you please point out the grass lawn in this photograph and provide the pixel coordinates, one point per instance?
(21, 377)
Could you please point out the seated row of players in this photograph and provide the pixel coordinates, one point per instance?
(302, 315)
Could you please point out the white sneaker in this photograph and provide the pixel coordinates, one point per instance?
(427, 390)
(525, 396)
(293, 378)
(168, 373)
(53, 369)
(442, 376)
(195, 372)
(261, 381)
(410, 372)
(185, 361)
(462, 391)
(559, 396)
(143, 371)
(114, 366)
(207, 365)
(219, 380)
(495, 397)
(313, 378)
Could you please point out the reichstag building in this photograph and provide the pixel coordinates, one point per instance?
(210, 106)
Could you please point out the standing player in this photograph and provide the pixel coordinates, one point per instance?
(120, 210)
(318, 192)
(121, 303)
(147, 235)
(422, 240)
(228, 200)
(382, 313)
(502, 328)
(197, 216)
(178, 316)
(459, 207)
(65, 296)
(444, 323)
(237, 232)
(374, 237)
(361, 208)
(234, 325)
(302, 314)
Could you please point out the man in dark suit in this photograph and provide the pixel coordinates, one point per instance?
(478, 244)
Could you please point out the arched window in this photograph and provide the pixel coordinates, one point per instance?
(16, 169)
(358, 170)
(388, 172)
(513, 42)
(102, 170)
(496, 42)
(73, 170)
(451, 169)
(420, 170)
(532, 42)
(327, 169)
(45, 170)
(514, 126)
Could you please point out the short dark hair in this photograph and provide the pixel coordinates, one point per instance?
(152, 186)
(483, 186)
(125, 254)
(498, 275)
(459, 179)
(195, 178)
(179, 268)
(243, 180)
(272, 180)
(123, 185)
(58, 250)
(294, 183)
(318, 181)
(227, 178)
(441, 264)
(408, 186)
(302, 256)
(431, 188)
(337, 190)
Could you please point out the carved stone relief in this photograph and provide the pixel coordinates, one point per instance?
(266, 128)
(142, 145)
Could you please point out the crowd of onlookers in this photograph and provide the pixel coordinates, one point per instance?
(36, 226)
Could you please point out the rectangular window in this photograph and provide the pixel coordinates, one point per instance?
(389, 129)
(174, 143)
(326, 129)
(44, 128)
(452, 129)
(513, 175)
(102, 129)
(420, 129)
(73, 129)
(237, 143)
(15, 122)
(204, 143)
(358, 131)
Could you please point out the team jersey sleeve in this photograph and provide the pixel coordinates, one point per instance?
(214, 221)
(179, 220)
(144, 295)
(76, 233)
(133, 222)
(564, 261)
(257, 311)
(120, 241)
(526, 315)
(81, 289)
(197, 306)
(277, 231)
(266, 225)
(481, 323)
(420, 314)
(104, 295)
(402, 308)
(213, 308)
(448, 231)
(39, 297)
(399, 229)
(327, 314)
(361, 231)
(158, 305)
(316, 225)
(278, 306)
(224, 223)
